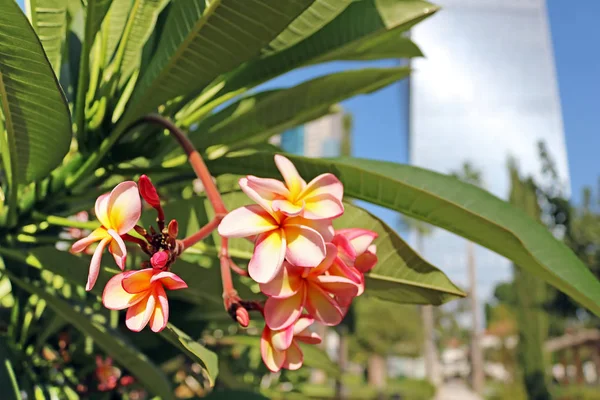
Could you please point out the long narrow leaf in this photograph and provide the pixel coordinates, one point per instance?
(94, 15)
(401, 275)
(141, 21)
(283, 109)
(114, 22)
(448, 203)
(319, 14)
(8, 380)
(195, 350)
(49, 19)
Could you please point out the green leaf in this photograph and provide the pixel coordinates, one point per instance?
(356, 28)
(282, 109)
(387, 47)
(194, 350)
(319, 14)
(400, 275)
(202, 40)
(108, 340)
(95, 12)
(140, 24)
(8, 381)
(380, 20)
(448, 203)
(94, 15)
(49, 19)
(37, 119)
(114, 22)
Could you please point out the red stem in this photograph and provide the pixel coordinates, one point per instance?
(201, 234)
(195, 161)
(228, 289)
(237, 269)
(213, 195)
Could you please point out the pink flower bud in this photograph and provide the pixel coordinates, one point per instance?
(159, 259)
(148, 192)
(242, 317)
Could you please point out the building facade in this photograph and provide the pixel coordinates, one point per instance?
(319, 138)
(485, 91)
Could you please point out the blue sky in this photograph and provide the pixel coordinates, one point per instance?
(575, 30)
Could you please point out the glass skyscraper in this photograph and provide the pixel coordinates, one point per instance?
(485, 91)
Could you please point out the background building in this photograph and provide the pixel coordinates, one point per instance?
(486, 91)
(322, 137)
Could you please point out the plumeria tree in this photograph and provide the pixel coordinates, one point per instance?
(133, 127)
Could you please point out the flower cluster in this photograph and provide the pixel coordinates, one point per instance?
(142, 291)
(309, 271)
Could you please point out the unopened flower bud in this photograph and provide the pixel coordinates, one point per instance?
(173, 228)
(159, 259)
(242, 317)
(148, 192)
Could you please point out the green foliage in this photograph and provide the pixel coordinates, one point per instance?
(191, 61)
(401, 334)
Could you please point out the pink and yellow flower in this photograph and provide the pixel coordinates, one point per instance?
(278, 237)
(118, 212)
(321, 198)
(355, 257)
(142, 292)
(364, 251)
(294, 288)
(279, 348)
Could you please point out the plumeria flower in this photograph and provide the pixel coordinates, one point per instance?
(356, 256)
(321, 198)
(279, 349)
(278, 237)
(142, 292)
(118, 212)
(295, 288)
(361, 241)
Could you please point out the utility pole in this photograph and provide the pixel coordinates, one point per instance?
(477, 373)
